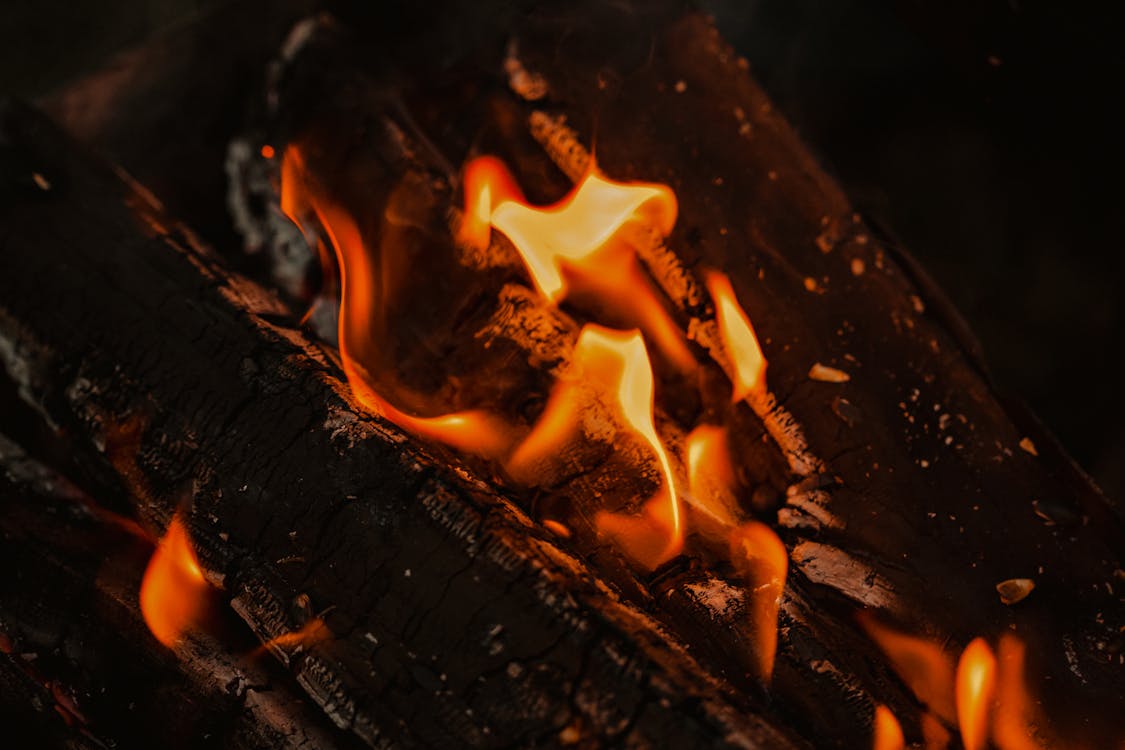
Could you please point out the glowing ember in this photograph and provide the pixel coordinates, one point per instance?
(741, 344)
(922, 665)
(579, 242)
(976, 676)
(760, 557)
(887, 732)
(711, 475)
(474, 431)
(173, 591)
(616, 364)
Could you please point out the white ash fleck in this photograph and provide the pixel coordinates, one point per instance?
(40, 181)
(916, 302)
(858, 266)
(1028, 446)
(721, 598)
(680, 87)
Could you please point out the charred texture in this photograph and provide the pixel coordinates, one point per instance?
(78, 668)
(926, 489)
(455, 619)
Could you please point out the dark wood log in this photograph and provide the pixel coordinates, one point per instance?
(79, 666)
(941, 489)
(914, 523)
(456, 619)
(931, 489)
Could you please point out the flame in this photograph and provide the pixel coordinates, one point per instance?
(314, 631)
(760, 557)
(888, 733)
(976, 677)
(710, 474)
(923, 666)
(487, 183)
(579, 240)
(173, 591)
(1015, 721)
(472, 431)
(738, 337)
(616, 364)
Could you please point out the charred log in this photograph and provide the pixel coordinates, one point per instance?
(455, 619)
(78, 658)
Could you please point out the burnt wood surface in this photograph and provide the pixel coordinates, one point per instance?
(933, 499)
(455, 619)
(79, 666)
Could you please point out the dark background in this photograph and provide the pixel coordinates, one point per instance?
(983, 134)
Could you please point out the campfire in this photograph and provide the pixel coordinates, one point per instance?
(541, 392)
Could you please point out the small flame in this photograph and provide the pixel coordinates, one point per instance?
(710, 474)
(976, 677)
(923, 666)
(472, 431)
(1016, 720)
(173, 591)
(487, 184)
(580, 240)
(760, 557)
(615, 363)
(888, 733)
(738, 337)
(314, 631)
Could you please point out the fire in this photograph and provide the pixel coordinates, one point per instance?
(739, 340)
(578, 241)
(173, 591)
(888, 733)
(923, 666)
(976, 678)
(760, 557)
(613, 364)
(620, 360)
(313, 632)
(1015, 722)
(487, 184)
(472, 431)
(711, 475)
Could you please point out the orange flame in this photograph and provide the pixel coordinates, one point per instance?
(314, 631)
(173, 591)
(976, 677)
(487, 184)
(472, 431)
(579, 240)
(710, 474)
(923, 666)
(615, 363)
(888, 733)
(738, 337)
(760, 557)
(1016, 720)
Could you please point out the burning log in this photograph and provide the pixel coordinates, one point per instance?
(905, 488)
(442, 598)
(75, 655)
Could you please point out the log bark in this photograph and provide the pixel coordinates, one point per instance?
(922, 510)
(455, 619)
(78, 665)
